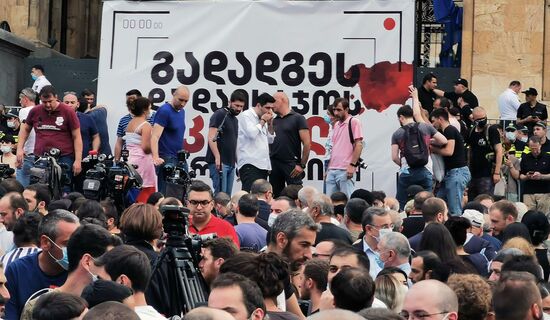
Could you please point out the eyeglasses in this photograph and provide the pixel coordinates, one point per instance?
(384, 226)
(418, 314)
(203, 203)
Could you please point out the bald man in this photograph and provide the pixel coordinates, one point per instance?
(430, 299)
(167, 135)
(485, 155)
(289, 151)
(205, 313)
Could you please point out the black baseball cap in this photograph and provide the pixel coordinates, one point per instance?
(531, 92)
(462, 81)
(522, 128)
(540, 124)
(511, 128)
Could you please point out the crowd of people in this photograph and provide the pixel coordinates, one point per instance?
(465, 236)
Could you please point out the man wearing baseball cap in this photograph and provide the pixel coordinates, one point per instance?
(540, 130)
(531, 111)
(474, 243)
(460, 90)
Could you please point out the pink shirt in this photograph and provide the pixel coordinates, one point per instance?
(342, 149)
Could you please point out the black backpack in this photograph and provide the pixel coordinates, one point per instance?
(415, 150)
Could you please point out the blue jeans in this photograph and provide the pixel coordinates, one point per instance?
(410, 176)
(23, 174)
(337, 180)
(161, 177)
(225, 182)
(452, 189)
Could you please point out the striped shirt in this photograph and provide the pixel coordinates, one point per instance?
(16, 254)
(123, 123)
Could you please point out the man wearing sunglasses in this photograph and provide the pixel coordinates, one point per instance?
(202, 221)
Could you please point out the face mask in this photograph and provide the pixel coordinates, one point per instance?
(326, 117)
(33, 76)
(5, 149)
(382, 232)
(64, 261)
(94, 277)
(523, 139)
(511, 136)
(233, 112)
(271, 219)
(481, 122)
(11, 124)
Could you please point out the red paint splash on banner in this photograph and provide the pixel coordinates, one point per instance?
(383, 84)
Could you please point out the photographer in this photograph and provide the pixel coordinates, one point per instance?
(138, 143)
(56, 125)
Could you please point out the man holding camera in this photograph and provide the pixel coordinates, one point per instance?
(167, 135)
(344, 158)
(56, 126)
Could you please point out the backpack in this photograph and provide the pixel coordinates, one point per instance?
(415, 150)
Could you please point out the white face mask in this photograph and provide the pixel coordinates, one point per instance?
(5, 149)
(271, 219)
(511, 136)
(11, 124)
(524, 139)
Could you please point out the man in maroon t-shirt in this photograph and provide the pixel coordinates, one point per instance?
(56, 126)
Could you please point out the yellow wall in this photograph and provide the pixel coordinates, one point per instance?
(503, 40)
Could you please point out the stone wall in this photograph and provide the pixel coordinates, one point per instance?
(503, 40)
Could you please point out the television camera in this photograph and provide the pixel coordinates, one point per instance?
(48, 170)
(178, 178)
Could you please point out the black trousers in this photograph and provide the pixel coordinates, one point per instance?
(280, 175)
(248, 174)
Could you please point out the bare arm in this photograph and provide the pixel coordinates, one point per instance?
(96, 141)
(306, 142)
(440, 139)
(212, 132)
(446, 150)
(118, 147)
(77, 142)
(146, 138)
(24, 131)
(439, 92)
(395, 154)
(417, 108)
(155, 137)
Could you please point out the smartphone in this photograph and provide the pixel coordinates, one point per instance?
(530, 173)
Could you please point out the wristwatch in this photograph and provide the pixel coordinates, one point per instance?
(302, 165)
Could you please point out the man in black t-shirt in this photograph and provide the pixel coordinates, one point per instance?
(457, 174)
(541, 131)
(485, 151)
(288, 159)
(460, 90)
(426, 93)
(535, 171)
(222, 143)
(531, 111)
(465, 112)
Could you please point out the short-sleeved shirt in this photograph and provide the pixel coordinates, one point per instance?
(53, 129)
(342, 149)
(173, 122)
(427, 98)
(29, 144)
(480, 166)
(539, 164)
(227, 139)
(251, 236)
(458, 158)
(88, 130)
(287, 145)
(468, 97)
(99, 114)
(525, 110)
(426, 131)
(218, 226)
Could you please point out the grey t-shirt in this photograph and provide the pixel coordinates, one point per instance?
(426, 130)
(251, 236)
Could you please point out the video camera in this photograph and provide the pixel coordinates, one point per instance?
(48, 170)
(106, 178)
(175, 223)
(177, 177)
(6, 171)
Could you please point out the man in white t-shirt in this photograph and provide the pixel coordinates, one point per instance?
(26, 99)
(508, 103)
(40, 81)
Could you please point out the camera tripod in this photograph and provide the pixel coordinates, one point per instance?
(179, 277)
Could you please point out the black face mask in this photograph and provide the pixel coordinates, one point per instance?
(233, 112)
(481, 122)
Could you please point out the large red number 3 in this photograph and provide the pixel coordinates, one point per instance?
(195, 133)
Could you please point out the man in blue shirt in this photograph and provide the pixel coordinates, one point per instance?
(167, 135)
(44, 269)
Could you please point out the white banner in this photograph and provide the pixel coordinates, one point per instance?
(314, 51)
